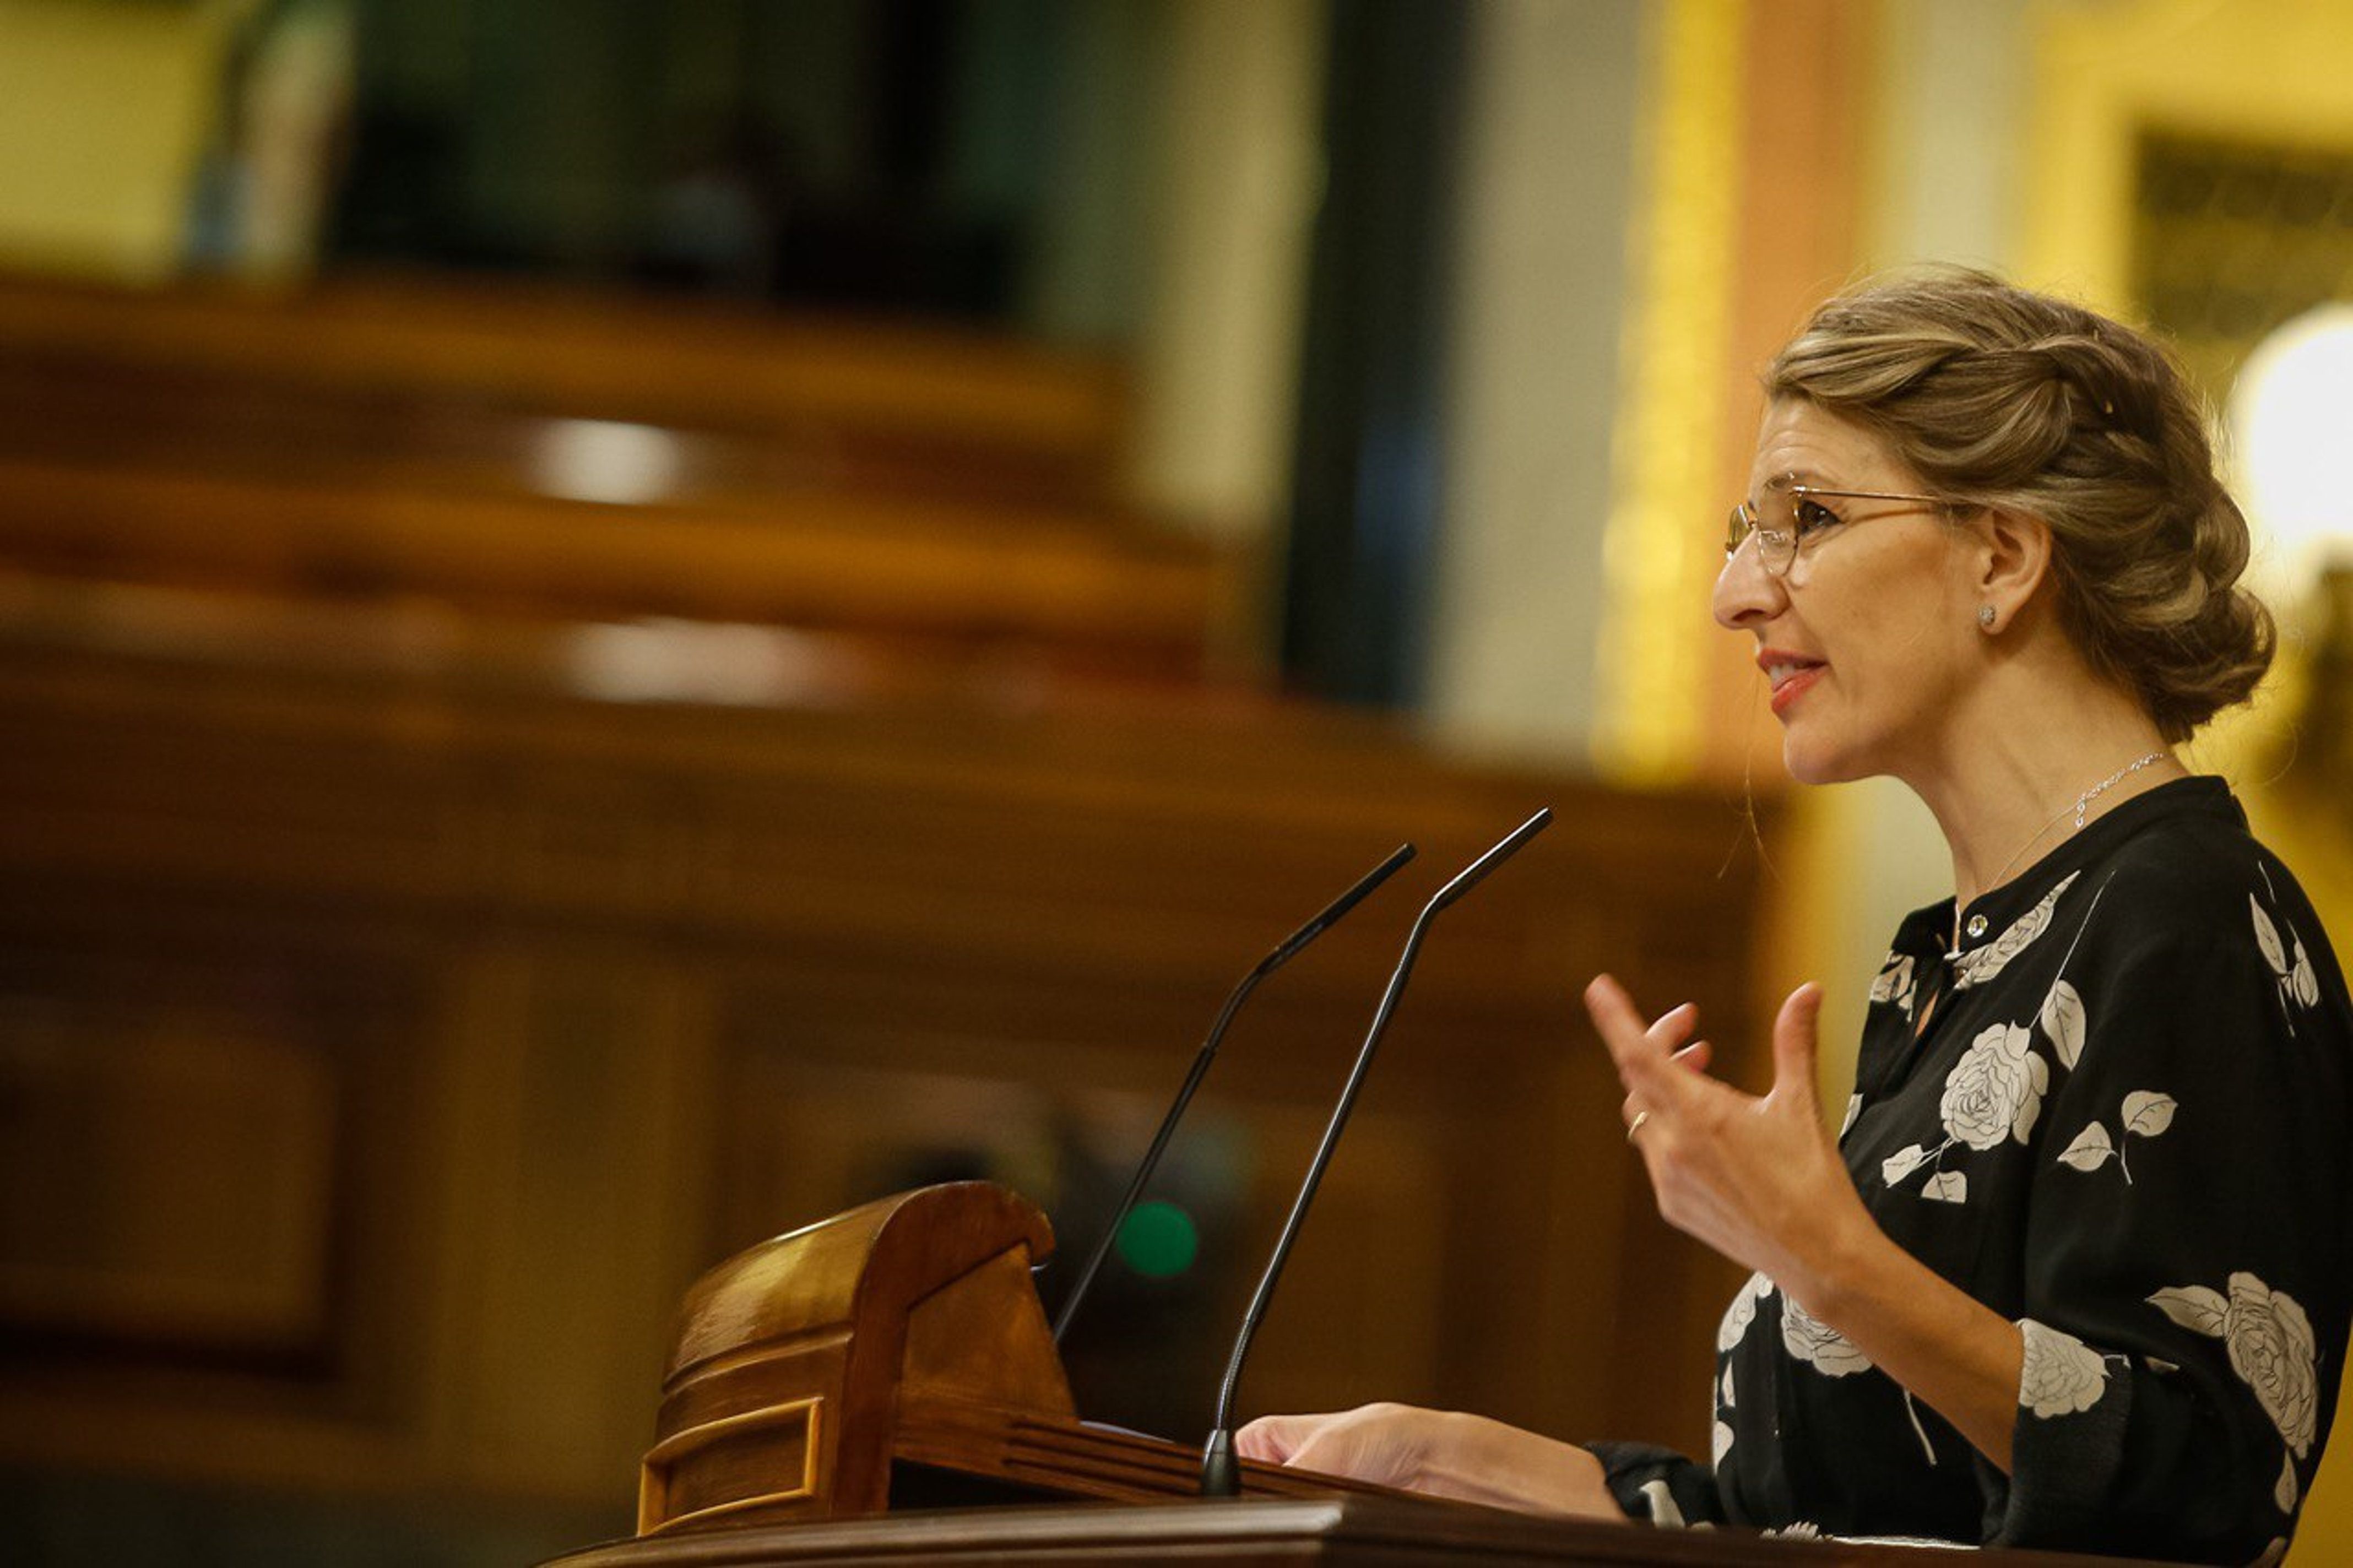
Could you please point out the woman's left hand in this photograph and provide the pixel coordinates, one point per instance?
(1757, 1179)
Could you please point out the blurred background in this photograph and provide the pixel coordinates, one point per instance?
(623, 625)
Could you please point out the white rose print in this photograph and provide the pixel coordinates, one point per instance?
(2270, 1344)
(1977, 967)
(1927, 1449)
(1946, 1187)
(1818, 1344)
(1663, 1511)
(2147, 1114)
(1994, 1092)
(1737, 1317)
(2062, 1020)
(1895, 981)
(1903, 1162)
(1995, 1089)
(2291, 966)
(2062, 1376)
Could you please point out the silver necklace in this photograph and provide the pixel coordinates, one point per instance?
(2081, 803)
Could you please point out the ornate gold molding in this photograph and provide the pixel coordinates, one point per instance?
(1671, 368)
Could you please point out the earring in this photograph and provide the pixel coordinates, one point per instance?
(1984, 616)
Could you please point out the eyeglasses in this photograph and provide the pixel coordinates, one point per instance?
(1791, 512)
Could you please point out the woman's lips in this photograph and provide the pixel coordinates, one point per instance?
(1790, 678)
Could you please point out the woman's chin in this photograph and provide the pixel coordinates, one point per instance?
(1811, 763)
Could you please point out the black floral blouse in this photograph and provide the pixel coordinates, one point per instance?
(2121, 1115)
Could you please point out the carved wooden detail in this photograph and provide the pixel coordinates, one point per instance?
(675, 976)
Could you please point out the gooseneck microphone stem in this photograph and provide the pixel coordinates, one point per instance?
(1283, 952)
(1220, 1466)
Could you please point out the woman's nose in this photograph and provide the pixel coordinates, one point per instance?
(1745, 592)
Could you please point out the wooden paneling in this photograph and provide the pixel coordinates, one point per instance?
(406, 987)
(604, 992)
(105, 1234)
(221, 1155)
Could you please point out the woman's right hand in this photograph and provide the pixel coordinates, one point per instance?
(1389, 1445)
(1439, 1452)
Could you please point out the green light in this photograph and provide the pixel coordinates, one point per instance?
(1158, 1241)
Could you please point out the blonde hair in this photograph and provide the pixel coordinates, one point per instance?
(2006, 399)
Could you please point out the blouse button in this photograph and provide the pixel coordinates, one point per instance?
(1976, 926)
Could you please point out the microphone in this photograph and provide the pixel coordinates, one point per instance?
(1220, 1466)
(1282, 955)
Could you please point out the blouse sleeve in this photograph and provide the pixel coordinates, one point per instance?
(2183, 1277)
(1658, 1485)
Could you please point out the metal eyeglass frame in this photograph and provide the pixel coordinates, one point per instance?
(1776, 552)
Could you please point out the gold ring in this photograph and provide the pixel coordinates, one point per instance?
(1636, 1125)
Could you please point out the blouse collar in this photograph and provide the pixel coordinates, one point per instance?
(1990, 913)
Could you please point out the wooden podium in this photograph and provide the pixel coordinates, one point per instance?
(843, 1394)
(891, 1356)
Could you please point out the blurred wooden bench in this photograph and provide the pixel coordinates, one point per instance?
(519, 452)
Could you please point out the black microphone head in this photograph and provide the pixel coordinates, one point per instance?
(1508, 847)
(1340, 906)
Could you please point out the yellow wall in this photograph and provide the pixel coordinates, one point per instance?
(2268, 69)
(103, 114)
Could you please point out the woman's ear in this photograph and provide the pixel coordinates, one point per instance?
(2013, 558)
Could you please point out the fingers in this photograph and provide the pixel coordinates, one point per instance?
(1796, 1044)
(1345, 1449)
(1692, 1059)
(1383, 1443)
(1275, 1438)
(1641, 1054)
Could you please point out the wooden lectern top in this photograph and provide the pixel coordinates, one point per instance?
(1356, 1531)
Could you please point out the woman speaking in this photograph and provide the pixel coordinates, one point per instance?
(2075, 1270)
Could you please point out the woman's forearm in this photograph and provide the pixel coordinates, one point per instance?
(1960, 1357)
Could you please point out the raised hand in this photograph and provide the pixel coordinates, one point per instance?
(1756, 1178)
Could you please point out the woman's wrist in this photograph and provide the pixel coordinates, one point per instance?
(1838, 1276)
(1474, 1460)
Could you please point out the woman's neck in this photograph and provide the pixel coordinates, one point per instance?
(2010, 793)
